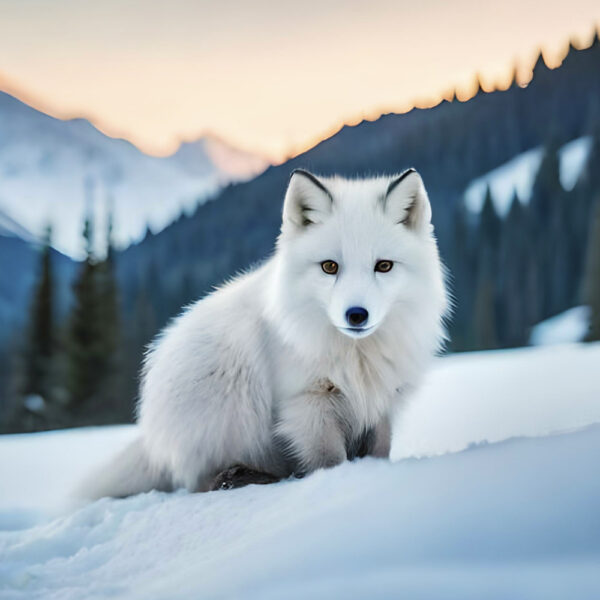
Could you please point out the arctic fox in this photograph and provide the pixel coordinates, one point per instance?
(300, 363)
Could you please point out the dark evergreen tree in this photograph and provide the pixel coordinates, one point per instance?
(93, 338)
(484, 313)
(512, 276)
(548, 231)
(591, 292)
(115, 406)
(489, 225)
(546, 187)
(461, 266)
(83, 341)
(39, 350)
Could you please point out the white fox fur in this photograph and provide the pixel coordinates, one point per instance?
(265, 371)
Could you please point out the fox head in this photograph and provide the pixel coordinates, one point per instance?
(355, 252)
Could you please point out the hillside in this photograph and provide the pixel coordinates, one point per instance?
(451, 144)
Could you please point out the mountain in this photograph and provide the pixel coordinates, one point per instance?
(52, 171)
(202, 156)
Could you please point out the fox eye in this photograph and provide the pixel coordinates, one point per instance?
(384, 266)
(330, 267)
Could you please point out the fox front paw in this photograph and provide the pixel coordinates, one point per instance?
(240, 476)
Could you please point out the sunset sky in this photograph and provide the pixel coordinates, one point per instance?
(269, 76)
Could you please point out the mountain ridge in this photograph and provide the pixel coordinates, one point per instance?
(51, 170)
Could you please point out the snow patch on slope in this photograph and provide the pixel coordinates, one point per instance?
(518, 176)
(10, 228)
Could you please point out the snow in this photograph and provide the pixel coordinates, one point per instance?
(572, 158)
(52, 171)
(506, 517)
(518, 175)
(39, 470)
(10, 228)
(569, 326)
(485, 397)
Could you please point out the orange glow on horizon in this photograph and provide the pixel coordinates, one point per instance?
(273, 95)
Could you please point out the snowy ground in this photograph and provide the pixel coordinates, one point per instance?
(498, 506)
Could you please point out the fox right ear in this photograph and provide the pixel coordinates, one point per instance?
(307, 200)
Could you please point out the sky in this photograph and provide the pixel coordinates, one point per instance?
(269, 76)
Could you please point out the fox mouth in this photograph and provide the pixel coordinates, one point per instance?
(358, 332)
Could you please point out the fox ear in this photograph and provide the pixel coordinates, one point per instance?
(406, 201)
(307, 200)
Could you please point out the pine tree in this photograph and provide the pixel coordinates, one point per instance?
(546, 186)
(93, 339)
(83, 344)
(461, 266)
(512, 276)
(109, 337)
(484, 314)
(489, 224)
(591, 292)
(549, 233)
(40, 345)
(485, 317)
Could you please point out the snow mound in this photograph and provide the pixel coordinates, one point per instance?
(488, 522)
(567, 327)
(518, 176)
(492, 396)
(516, 518)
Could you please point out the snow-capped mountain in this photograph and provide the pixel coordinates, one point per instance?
(10, 228)
(231, 162)
(53, 171)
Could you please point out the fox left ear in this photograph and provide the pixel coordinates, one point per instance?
(307, 200)
(406, 201)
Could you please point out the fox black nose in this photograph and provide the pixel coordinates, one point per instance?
(357, 315)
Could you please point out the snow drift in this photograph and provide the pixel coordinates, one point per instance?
(517, 518)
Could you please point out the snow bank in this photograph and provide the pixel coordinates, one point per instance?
(39, 470)
(512, 519)
(493, 396)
